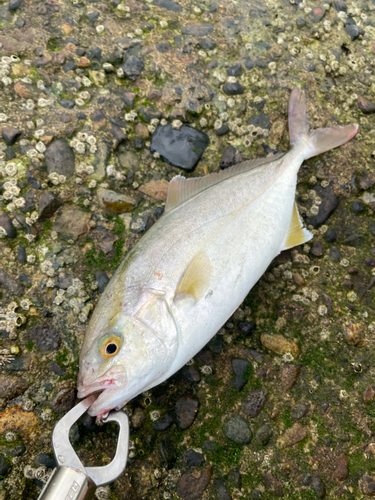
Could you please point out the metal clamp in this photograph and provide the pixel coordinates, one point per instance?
(71, 480)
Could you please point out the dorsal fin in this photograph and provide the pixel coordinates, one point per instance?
(297, 234)
(182, 189)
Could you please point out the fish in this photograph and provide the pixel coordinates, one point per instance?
(194, 267)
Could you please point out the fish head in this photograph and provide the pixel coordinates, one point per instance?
(122, 358)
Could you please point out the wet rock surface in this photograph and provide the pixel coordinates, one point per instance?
(85, 90)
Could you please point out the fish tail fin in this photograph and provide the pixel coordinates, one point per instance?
(315, 141)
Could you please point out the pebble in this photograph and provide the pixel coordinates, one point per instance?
(279, 344)
(341, 471)
(317, 249)
(242, 369)
(353, 30)
(64, 400)
(138, 418)
(72, 223)
(45, 339)
(115, 203)
(60, 158)
(7, 224)
(168, 5)
(358, 207)
(193, 458)
(228, 158)
(272, 484)
(260, 120)
(222, 492)
(48, 205)
(102, 280)
(330, 236)
(138, 224)
(354, 333)
(207, 44)
(235, 70)
(191, 486)
(292, 436)
(224, 129)
(10, 135)
(254, 403)
(289, 376)
(234, 88)
(56, 368)
(318, 486)
(326, 208)
(21, 254)
(164, 422)
(264, 434)
(237, 430)
(4, 466)
(181, 148)
(334, 254)
(300, 411)
(365, 105)
(46, 460)
(168, 452)
(186, 410)
(247, 327)
(198, 29)
(133, 67)
(12, 386)
(9, 284)
(67, 103)
(367, 485)
(317, 13)
(189, 373)
(369, 393)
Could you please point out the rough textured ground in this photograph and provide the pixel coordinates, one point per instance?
(281, 402)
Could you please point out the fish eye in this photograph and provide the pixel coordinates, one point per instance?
(110, 346)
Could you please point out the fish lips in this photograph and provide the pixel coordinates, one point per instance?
(112, 379)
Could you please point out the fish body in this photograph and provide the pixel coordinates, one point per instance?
(194, 267)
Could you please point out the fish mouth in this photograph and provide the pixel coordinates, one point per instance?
(110, 380)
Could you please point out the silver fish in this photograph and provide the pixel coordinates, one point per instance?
(189, 273)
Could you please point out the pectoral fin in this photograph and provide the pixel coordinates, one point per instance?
(196, 278)
(297, 234)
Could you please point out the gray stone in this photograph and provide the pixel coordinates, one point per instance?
(7, 224)
(168, 4)
(9, 284)
(48, 205)
(10, 135)
(254, 403)
(198, 29)
(12, 386)
(45, 338)
(133, 67)
(60, 158)
(237, 430)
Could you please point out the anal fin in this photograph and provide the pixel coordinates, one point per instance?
(297, 234)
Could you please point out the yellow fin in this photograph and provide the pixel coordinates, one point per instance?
(196, 278)
(297, 234)
(180, 189)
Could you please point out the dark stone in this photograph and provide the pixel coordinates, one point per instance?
(164, 422)
(358, 207)
(300, 411)
(133, 67)
(194, 459)
(354, 240)
(235, 70)
(318, 486)
(257, 356)
(24, 279)
(93, 16)
(4, 466)
(81, 115)
(168, 452)
(264, 434)
(204, 358)
(46, 460)
(222, 492)
(242, 370)
(102, 280)
(189, 373)
(138, 143)
(7, 224)
(60, 158)
(57, 369)
(228, 158)
(216, 344)
(186, 410)
(9, 154)
(181, 148)
(273, 485)
(353, 30)
(340, 6)
(237, 430)
(118, 134)
(138, 224)
(300, 22)
(45, 339)
(224, 129)
(256, 495)
(16, 451)
(330, 235)
(233, 88)
(128, 98)
(12, 386)
(207, 44)
(64, 282)
(334, 254)
(148, 114)
(211, 445)
(247, 327)
(21, 254)
(326, 208)
(198, 29)
(317, 13)
(212, 64)
(20, 23)
(249, 63)
(69, 66)
(67, 103)
(367, 485)
(95, 53)
(317, 249)
(48, 205)
(10, 285)
(311, 68)
(10, 135)
(14, 5)
(262, 120)
(365, 105)
(64, 400)
(369, 262)
(168, 4)
(163, 47)
(254, 403)
(191, 487)
(20, 364)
